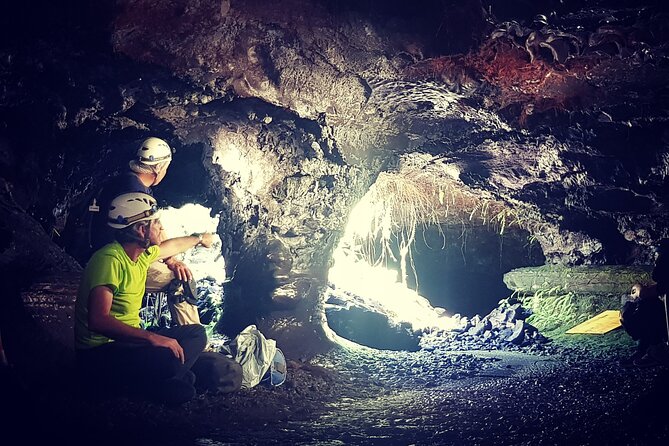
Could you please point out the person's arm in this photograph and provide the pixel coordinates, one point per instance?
(100, 321)
(179, 269)
(174, 246)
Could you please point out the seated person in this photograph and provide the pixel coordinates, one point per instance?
(113, 352)
(145, 171)
(180, 295)
(642, 317)
(661, 277)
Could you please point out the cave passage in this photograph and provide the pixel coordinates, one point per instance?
(461, 269)
(450, 270)
(207, 266)
(195, 218)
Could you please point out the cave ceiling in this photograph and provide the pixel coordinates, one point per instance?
(555, 110)
(561, 113)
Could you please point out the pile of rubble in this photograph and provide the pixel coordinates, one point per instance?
(504, 328)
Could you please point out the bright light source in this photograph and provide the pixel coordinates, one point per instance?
(378, 289)
(361, 219)
(252, 169)
(189, 219)
(374, 287)
(383, 227)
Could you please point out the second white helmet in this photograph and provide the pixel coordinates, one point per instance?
(154, 151)
(130, 208)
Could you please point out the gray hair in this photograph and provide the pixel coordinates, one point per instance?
(139, 167)
(130, 234)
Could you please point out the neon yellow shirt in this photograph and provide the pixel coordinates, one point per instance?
(111, 266)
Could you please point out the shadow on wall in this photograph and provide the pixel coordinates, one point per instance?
(187, 181)
(372, 330)
(248, 294)
(466, 276)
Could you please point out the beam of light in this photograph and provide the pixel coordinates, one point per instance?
(194, 218)
(377, 288)
(252, 169)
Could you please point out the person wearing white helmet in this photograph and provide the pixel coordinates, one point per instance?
(113, 351)
(153, 158)
(146, 170)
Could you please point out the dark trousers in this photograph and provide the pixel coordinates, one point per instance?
(123, 366)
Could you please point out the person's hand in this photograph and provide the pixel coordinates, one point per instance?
(179, 269)
(163, 341)
(207, 240)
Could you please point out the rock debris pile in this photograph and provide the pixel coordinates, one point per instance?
(505, 328)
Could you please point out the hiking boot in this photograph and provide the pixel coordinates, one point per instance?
(646, 361)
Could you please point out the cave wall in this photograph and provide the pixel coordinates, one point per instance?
(563, 112)
(283, 192)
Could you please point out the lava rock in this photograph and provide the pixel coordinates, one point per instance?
(518, 334)
(479, 328)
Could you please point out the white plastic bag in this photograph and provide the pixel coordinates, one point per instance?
(254, 353)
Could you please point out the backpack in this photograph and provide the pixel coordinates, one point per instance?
(86, 227)
(216, 373)
(182, 302)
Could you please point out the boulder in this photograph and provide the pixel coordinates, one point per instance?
(586, 279)
(518, 334)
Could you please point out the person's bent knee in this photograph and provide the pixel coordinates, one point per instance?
(162, 364)
(199, 331)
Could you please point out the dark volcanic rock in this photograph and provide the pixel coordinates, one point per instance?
(546, 117)
(609, 279)
(517, 336)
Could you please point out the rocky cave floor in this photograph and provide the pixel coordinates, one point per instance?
(574, 393)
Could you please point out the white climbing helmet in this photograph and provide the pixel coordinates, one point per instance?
(154, 151)
(130, 208)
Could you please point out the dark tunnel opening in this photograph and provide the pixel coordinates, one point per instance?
(463, 271)
(455, 270)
